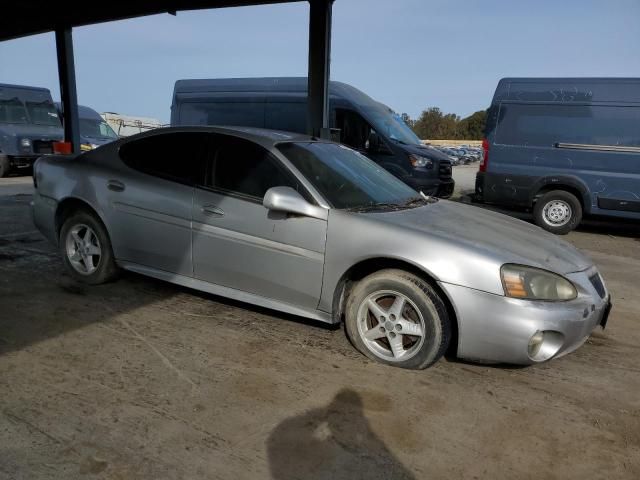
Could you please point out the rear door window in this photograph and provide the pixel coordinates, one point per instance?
(242, 168)
(173, 156)
(544, 125)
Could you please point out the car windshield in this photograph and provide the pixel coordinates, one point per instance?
(12, 111)
(390, 124)
(43, 113)
(96, 128)
(346, 178)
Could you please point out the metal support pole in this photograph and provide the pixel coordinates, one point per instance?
(319, 61)
(68, 93)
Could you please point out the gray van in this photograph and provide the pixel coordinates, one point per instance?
(281, 104)
(94, 130)
(29, 125)
(566, 147)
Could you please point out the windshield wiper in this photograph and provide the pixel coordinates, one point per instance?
(409, 203)
(421, 200)
(375, 206)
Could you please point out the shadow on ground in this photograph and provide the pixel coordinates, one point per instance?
(331, 442)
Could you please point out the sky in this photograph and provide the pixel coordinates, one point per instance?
(408, 54)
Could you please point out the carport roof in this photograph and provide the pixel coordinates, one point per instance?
(30, 17)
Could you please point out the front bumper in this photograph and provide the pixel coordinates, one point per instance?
(497, 329)
(438, 187)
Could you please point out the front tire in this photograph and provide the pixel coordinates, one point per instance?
(86, 249)
(558, 212)
(396, 318)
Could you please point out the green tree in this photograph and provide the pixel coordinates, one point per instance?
(433, 124)
(472, 127)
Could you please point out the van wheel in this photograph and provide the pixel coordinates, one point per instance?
(5, 166)
(396, 318)
(558, 212)
(86, 249)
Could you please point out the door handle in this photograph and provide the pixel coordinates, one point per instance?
(115, 186)
(212, 210)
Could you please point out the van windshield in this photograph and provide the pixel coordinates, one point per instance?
(12, 111)
(96, 128)
(389, 124)
(346, 178)
(43, 113)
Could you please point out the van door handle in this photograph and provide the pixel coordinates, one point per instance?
(115, 186)
(212, 210)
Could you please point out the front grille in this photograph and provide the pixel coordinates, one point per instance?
(42, 146)
(596, 281)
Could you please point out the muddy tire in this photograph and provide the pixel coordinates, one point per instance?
(397, 318)
(86, 249)
(558, 212)
(5, 166)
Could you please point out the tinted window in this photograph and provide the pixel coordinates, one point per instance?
(242, 167)
(174, 156)
(345, 177)
(246, 114)
(546, 125)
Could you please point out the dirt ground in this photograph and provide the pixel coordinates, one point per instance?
(143, 379)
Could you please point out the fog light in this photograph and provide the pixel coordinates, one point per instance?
(535, 342)
(544, 345)
(25, 142)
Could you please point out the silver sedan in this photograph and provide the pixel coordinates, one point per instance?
(315, 229)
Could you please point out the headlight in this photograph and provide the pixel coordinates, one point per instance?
(535, 284)
(420, 161)
(25, 142)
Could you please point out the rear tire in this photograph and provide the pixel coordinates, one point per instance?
(86, 249)
(5, 166)
(396, 318)
(558, 212)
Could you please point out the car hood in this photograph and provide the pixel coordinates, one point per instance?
(498, 236)
(425, 151)
(96, 140)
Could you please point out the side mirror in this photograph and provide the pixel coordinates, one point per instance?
(373, 142)
(286, 199)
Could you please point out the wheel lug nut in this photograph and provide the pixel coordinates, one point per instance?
(382, 329)
(392, 316)
(392, 334)
(398, 327)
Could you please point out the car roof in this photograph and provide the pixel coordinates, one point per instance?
(265, 137)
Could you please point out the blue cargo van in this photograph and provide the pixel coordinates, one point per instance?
(566, 147)
(94, 130)
(281, 104)
(29, 125)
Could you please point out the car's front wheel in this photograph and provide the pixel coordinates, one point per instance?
(86, 249)
(397, 318)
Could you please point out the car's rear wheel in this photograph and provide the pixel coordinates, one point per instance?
(5, 166)
(558, 212)
(86, 249)
(397, 318)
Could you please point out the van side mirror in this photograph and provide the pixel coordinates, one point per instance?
(373, 142)
(286, 199)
